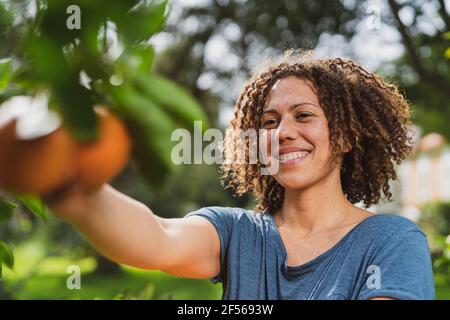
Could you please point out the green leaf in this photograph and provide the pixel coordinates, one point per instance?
(48, 64)
(76, 105)
(154, 168)
(75, 102)
(447, 53)
(446, 35)
(6, 18)
(135, 59)
(9, 93)
(166, 296)
(124, 294)
(6, 255)
(175, 100)
(5, 73)
(142, 22)
(6, 210)
(34, 204)
(147, 115)
(148, 292)
(151, 130)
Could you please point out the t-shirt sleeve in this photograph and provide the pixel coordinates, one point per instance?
(223, 220)
(400, 269)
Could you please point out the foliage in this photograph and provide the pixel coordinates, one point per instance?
(435, 220)
(52, 58)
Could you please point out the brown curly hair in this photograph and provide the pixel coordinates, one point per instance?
(370, 114)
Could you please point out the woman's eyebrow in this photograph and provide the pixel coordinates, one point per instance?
(292, 107)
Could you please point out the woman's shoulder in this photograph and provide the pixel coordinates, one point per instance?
(222, 210)
(389, 226)
(392, 221)
(231, 214)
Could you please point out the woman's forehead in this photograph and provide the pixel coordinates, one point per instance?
(291, 90)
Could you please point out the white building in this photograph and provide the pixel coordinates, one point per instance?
(423, 177)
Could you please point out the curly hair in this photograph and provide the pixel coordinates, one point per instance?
(370, 114)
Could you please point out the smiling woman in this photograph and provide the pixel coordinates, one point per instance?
(333, 100)
(340, 131)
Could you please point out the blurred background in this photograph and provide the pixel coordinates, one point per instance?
(209, 47)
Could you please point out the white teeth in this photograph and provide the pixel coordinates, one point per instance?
(293, 155)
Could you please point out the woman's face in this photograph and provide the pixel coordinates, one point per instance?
(304, 150)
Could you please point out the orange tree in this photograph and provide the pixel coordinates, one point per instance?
(48, 51)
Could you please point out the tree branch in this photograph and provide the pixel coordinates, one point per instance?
(435, 80)
(444, 14)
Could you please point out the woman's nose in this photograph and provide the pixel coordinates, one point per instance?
(287, 129)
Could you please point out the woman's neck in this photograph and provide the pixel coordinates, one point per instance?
(316, 208)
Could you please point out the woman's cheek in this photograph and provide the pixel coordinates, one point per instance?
(268, 146)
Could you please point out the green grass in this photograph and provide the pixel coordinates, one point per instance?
(442, 283)
(101, 286)
(36, 276)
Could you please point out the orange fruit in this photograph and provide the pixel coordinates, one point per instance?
(98, 161)
(46, 164)
(35, 166)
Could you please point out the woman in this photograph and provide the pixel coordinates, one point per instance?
(339, 129)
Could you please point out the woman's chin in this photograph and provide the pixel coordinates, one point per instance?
(292, 184)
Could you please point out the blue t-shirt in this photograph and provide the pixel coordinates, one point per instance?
(384, 255)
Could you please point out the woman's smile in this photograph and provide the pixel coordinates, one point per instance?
(293, 158)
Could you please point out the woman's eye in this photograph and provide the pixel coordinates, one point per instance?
(302, 116)
(270, 122)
